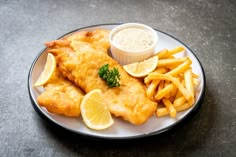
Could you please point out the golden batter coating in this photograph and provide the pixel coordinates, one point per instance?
(80, 62)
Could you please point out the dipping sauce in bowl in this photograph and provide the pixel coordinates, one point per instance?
(133, 39)
(132, 42)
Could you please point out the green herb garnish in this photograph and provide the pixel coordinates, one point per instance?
(111, 77)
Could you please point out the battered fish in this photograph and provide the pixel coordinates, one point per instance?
(80, 62)
(97, 39)
(61, 96)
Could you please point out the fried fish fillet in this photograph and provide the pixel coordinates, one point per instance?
(61, 96)
(80, 62)
(97, 39)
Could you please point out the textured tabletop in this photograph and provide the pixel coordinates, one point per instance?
(208, 27)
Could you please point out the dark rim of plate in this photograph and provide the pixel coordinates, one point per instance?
(47, 117)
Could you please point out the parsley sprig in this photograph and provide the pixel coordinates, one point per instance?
(111, 77)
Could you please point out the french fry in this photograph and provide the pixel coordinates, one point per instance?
(176, 82)
(165, 85)
(161, 86)
(162, 53)
(152, 88)
(169, 107)
(147, 81)
(182, 67)
(163, 92)
(171, 62)
(178, 95)
(174, 91)
(158, 76)
(172, 82)
(179, 101)
(170, 57)
(161, 70)
(161, 112)
(183, 107)
(167, 53)
(153, 85)
(188, 78)
(176, 50)
(182, 90)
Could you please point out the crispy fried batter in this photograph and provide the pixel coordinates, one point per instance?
(79, 58)
(61, 96)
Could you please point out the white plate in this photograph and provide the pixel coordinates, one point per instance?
(121, 129)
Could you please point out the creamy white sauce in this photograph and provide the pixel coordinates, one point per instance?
(133, 39)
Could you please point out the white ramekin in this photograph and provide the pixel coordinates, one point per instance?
(126, 57)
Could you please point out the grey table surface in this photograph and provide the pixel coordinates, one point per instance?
(208, 27)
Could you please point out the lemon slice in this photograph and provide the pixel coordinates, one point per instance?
(95, 112)
(48, 70)
(141, 69)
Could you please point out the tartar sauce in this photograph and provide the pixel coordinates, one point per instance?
(133, 39)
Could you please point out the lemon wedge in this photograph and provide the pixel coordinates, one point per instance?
(95, 112)
(141, 69)
(48, 70)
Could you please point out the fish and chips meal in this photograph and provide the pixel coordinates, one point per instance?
(80, 78)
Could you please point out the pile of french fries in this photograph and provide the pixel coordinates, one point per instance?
(172, 84)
